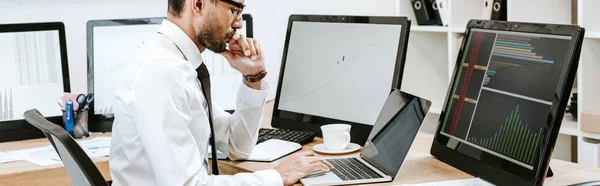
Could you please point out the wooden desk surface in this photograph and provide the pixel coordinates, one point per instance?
(419, 166)
(27, 173)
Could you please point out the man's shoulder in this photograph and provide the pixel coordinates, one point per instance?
(160, 53)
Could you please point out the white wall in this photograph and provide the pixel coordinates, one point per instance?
(270, 22)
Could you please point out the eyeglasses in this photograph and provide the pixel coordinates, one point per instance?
(239, 7)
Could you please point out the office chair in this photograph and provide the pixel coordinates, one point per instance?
(80, 168)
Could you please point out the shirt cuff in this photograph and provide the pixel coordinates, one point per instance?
(271, 177)
(252, 97)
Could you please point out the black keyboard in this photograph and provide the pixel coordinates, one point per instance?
(286, 135)
(352, 169)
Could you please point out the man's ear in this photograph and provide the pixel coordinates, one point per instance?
(197, 8)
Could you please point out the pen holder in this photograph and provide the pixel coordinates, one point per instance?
(78, 127)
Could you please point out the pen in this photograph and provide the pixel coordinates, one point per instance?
(69, 120)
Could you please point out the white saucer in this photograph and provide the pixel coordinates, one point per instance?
(322, 149)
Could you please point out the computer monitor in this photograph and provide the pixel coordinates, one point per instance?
(34, 68)
(110, 45)
(507, 98)
(339, 69)
(113, 43)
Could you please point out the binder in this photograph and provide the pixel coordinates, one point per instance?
(499, 10)
(441, 6)
(423, 12)
(435, 12)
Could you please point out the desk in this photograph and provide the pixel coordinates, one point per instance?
(27, 173)
(419, 166)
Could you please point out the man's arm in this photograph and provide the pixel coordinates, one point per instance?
(236, 134)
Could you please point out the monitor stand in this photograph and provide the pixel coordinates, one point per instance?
(549, 173)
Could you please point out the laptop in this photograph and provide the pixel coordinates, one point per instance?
(386, 148)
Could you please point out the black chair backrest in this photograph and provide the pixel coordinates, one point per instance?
(80, 168)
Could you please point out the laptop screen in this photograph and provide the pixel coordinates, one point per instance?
(388, 148)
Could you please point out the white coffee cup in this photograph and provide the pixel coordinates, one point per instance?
(336, 136)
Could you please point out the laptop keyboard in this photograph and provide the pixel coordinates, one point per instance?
(352, 169)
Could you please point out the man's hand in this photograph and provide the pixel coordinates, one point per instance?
(301, 165)
(245, 55)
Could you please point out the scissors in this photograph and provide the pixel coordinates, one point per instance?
(84, 102)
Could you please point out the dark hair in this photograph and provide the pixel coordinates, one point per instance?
(176, 6)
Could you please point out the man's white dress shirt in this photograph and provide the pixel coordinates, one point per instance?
(161, 129)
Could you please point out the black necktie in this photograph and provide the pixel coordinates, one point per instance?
(204, 78)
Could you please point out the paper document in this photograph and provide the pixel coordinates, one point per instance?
(269, 150)
(273, 149)
(465, 182)
(43, 156)
(97, 147)
(5, 158)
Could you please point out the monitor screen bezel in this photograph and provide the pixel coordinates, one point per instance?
(503, 176)
(359, 131)
(20, 129)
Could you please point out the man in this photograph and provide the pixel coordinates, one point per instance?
(161, 130)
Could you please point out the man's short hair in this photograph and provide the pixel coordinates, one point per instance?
(176, 6)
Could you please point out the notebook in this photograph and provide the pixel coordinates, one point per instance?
(268, 151)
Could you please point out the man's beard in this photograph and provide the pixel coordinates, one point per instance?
(209, 36)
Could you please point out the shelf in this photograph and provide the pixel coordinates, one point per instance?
(590, 135)
(569, 126)
(417, 28)
(439, 29)
(592, 35)
(458, 30)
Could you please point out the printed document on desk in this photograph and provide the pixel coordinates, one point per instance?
(97, 147)
(5, 158)
(42, 156)
(46, 155)
(268, 151)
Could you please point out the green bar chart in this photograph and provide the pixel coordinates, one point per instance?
(514, 139)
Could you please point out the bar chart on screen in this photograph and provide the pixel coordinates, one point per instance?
(30, 65)
(524, 57)
(6, 104)
(514, 139)
(504, 92)
(108, 70)
(36, 60)
(113, 48)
